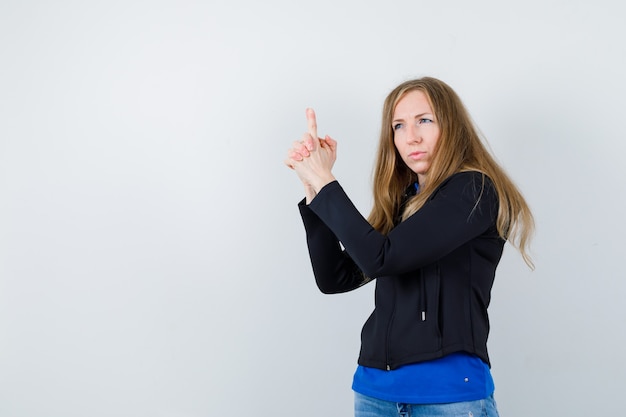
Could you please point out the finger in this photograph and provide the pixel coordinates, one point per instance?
(296, 156)
(332, 143)
(301, 147)
(307, 142)
(311, 122)
(289, 163)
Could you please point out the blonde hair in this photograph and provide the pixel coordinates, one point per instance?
(459, 148)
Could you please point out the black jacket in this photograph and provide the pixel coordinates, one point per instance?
(434, 271)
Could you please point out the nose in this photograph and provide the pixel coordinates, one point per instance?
(413, 135)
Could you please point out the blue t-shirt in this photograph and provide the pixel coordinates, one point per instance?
(456, 377)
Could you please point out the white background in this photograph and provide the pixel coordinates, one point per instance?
(152, 258)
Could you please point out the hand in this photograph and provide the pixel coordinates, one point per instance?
(301, 149)
(313, 158)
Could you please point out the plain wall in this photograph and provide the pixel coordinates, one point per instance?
(152, 258)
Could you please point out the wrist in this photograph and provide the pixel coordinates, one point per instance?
(322, 182)
(309, 193)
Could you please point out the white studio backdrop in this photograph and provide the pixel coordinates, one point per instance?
(152, 258)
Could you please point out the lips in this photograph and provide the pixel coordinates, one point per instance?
(417, 155)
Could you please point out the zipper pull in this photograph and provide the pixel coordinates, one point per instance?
(423, 315)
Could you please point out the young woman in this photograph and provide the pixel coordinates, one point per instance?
(443, 209)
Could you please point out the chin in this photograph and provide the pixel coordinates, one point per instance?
(419, 171)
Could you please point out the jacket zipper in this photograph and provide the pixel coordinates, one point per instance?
(391, 318)
(422, 296)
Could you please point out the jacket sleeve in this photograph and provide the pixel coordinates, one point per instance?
(462, 208)
(334, 270)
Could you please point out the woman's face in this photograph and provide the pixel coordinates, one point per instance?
(416, 132)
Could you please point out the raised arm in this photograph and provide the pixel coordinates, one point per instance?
(460, 210)
(334, 270)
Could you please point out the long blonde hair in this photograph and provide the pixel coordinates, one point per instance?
(458, 149)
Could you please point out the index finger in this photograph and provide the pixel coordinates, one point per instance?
(311, 122)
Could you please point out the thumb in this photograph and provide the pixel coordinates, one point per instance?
(332, 143)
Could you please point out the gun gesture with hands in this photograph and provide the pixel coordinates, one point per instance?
(313, 158)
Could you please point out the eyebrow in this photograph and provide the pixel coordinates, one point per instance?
(417, 116)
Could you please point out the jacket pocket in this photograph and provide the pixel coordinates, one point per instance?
(416, 331)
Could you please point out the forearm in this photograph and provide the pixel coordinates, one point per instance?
(457, 213)
(334, 270)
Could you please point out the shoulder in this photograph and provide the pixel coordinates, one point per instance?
(473, 183)
(471, 189)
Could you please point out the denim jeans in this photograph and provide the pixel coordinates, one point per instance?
(365, 406)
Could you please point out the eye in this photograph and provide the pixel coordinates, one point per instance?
(397, 126)
(424, 120)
